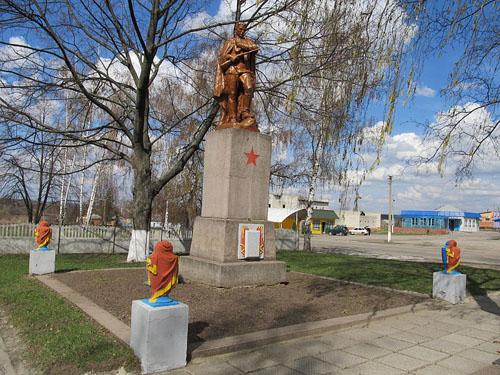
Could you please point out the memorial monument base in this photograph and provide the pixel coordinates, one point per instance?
(158, 336)
(42, 262)
(232, 274)
(449, 287)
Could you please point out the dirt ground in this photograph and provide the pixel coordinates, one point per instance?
(217, 312)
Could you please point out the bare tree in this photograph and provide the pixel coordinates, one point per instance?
(346, 54)
(114, 51)
(470, 129)
(29, 173)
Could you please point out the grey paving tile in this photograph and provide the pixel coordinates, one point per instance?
(252, 361)
(423, 353)
(172, 372)
(382, 329)
(309, 346)
(336, 341)
(402, 362)
(212, 367)
(480, 356)
(367, 351)
(371, 368)
(429, 331)
(443, 346)
(410, 337)
(464, 365)
(436, 370)
(419, 319)
(399, 323)
(450, 328)
(311, 365)
(465, 341)
(390, 343)
(478, 334)
(360, 334)
(277, 370)
(489, 347)
(341, 359)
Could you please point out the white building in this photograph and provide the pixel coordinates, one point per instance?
(353, 219)
(294, 201)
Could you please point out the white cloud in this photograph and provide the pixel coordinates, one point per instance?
(425, 91)
(420, 187)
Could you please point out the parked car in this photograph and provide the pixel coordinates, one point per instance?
(339, 229)
(359, 231)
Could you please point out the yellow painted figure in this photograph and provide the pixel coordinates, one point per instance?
(43, 234)
(163, 268)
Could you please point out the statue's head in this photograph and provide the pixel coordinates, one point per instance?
(164, 246)
(43, 224)
(240, 28)
(452, 244)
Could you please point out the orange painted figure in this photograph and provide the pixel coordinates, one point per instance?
(43, 234)
(163, 269)
(451, 257)
(235, 81)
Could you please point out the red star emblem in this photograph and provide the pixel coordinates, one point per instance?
(252, 157)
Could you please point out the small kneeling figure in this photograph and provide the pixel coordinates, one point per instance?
(163, 268)
(43, 234)
(450, 254)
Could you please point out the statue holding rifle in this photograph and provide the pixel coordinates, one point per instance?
(235, 81)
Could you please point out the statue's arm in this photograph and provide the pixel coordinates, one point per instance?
(247, 44)
(151, 267)
(224, 55)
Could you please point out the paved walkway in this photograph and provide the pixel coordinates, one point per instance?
(450, 340)
(454, 340)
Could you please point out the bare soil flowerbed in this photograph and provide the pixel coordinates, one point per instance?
(216, 312)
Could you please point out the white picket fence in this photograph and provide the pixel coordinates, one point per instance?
(81, 231)
(19, 238)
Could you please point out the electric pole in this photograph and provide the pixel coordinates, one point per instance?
(389, 229)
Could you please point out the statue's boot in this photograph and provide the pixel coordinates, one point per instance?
(244, 106)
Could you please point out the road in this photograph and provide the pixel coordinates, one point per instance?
(477, 249)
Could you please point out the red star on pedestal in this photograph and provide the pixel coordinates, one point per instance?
(252, 157)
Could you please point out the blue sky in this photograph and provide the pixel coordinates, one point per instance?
(414, 188)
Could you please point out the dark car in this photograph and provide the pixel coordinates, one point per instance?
(339, 229)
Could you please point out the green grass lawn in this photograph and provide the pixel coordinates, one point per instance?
(60, 338)
(414, 276)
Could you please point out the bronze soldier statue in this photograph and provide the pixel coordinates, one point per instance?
(235, 81)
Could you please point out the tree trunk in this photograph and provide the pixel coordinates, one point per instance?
(92, 195)
(310, 198)
(143, 198)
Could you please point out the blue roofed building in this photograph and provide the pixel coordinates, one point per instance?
(445, 217)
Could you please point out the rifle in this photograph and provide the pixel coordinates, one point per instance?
(238, 55)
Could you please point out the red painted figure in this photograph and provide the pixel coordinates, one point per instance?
(163, 269)
(43, 234)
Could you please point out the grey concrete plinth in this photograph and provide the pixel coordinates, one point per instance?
(42, 262)
(232, 274)
(450, 287)
(235, 185)
(158, 336)
(217, 239)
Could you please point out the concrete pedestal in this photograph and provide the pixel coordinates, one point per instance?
(450, 287)
(42, 262)
(158, 336)
(232, 274)
(235, 193)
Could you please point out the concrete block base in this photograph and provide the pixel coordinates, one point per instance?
(42, 262)
(158, 336)
(232, 274)
(450, 287)
(217, 239)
